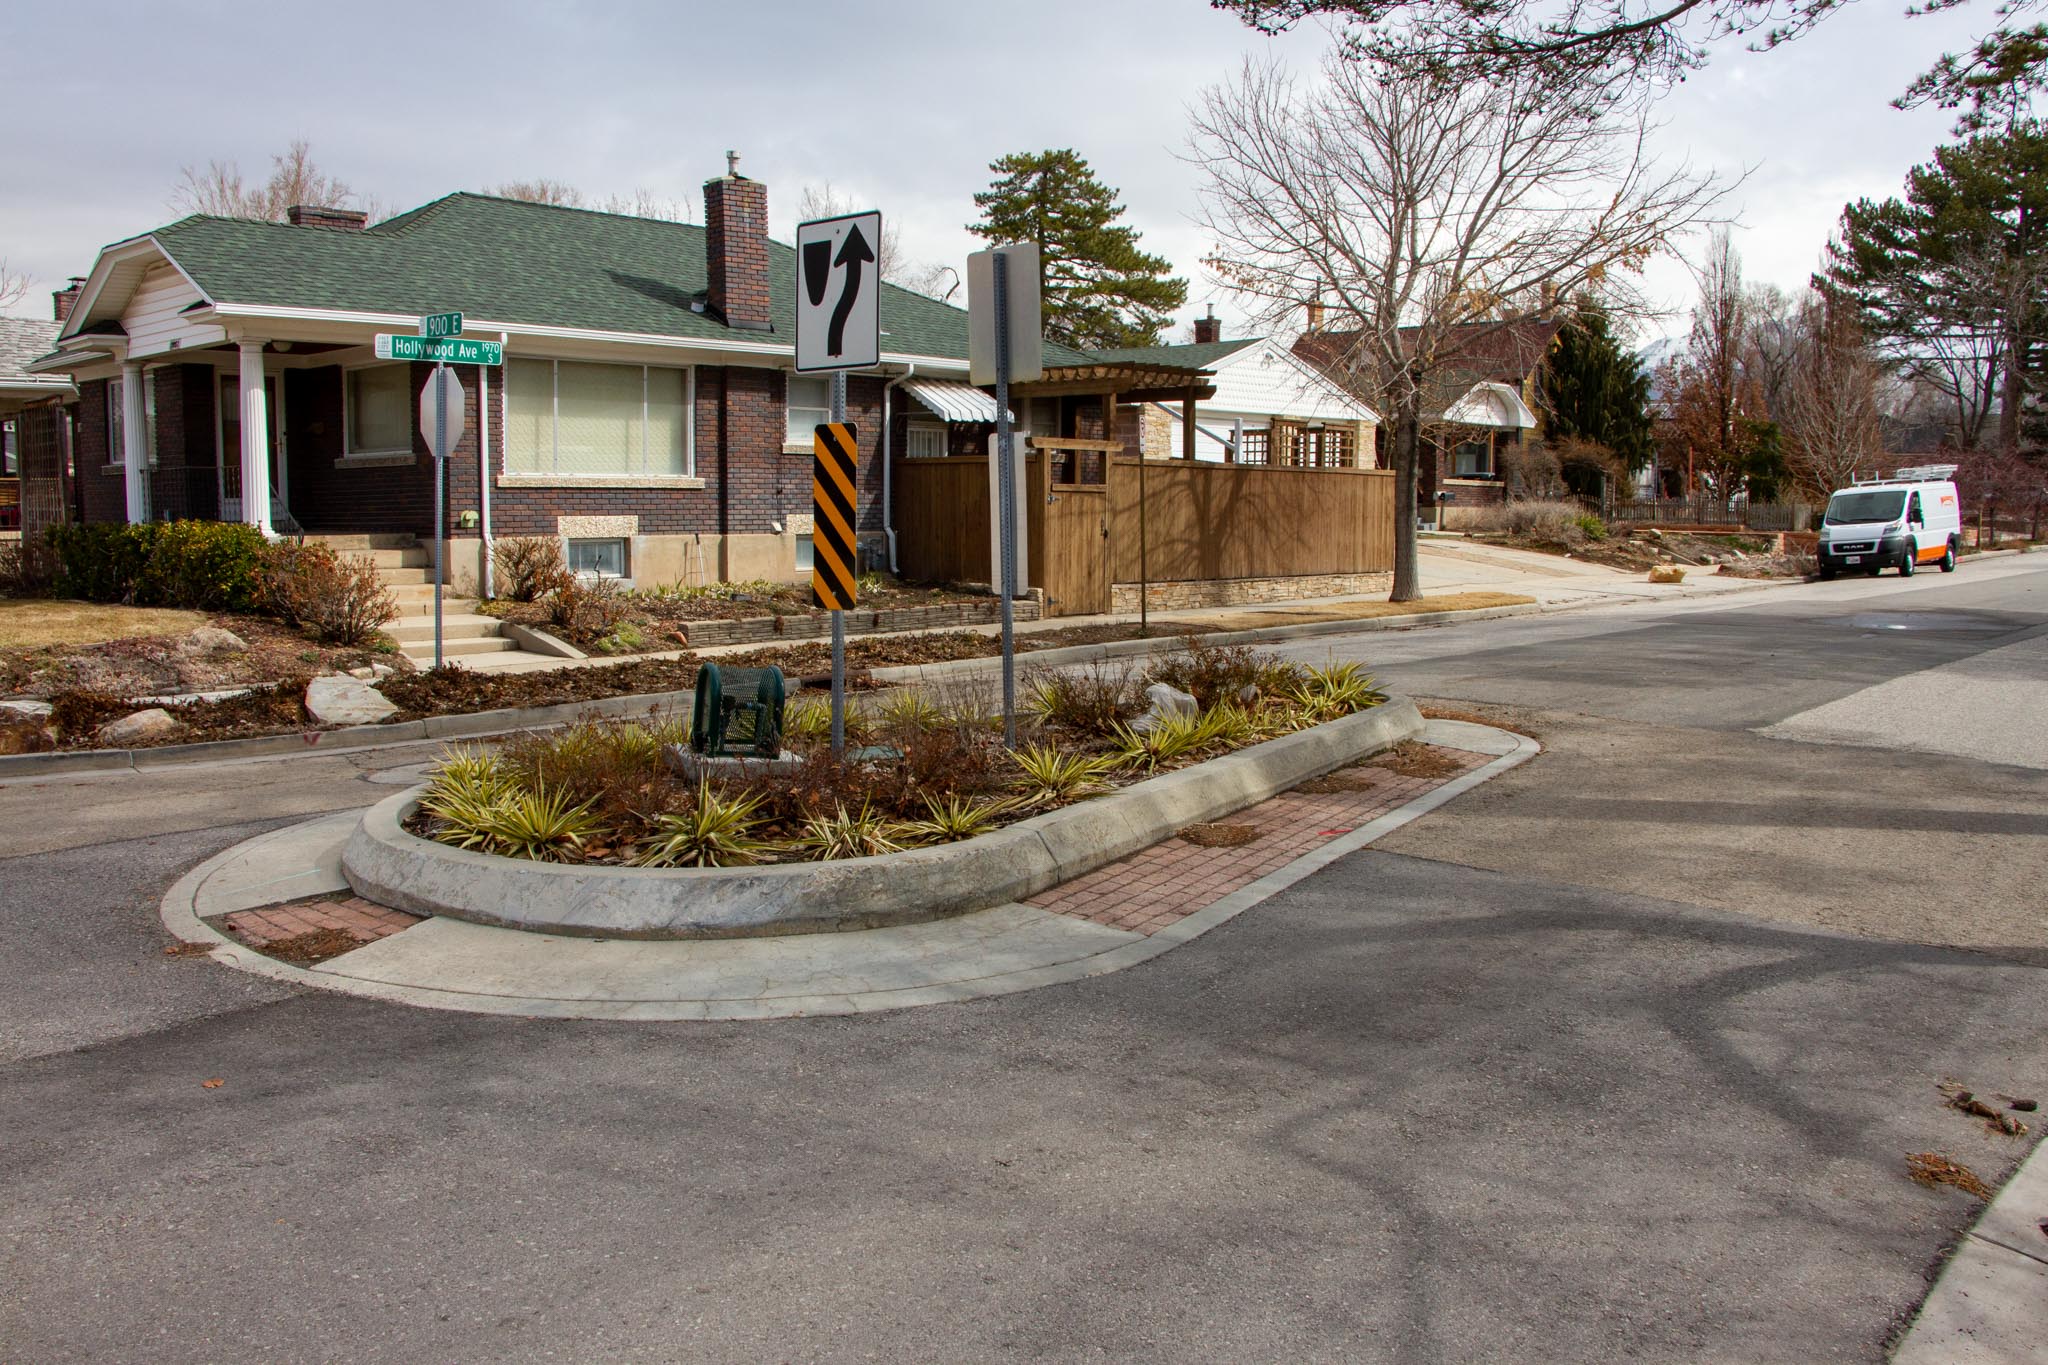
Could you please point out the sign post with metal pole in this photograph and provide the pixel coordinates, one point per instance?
(838, 328)
(438, 342)
(1003, 346)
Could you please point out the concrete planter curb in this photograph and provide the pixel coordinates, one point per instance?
(388, 865)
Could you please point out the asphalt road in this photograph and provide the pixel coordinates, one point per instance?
(1617, 1058)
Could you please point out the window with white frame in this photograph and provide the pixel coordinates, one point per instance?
(117, 420)
(602, 558)
(10, 462)
(378, 411)
(1472, 458)
(805, 552)
(925, 441)
(577, 419)
(809, 405)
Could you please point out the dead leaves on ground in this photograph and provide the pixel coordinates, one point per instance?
(1961, 1099)
(1220, 836)
(1932, 1169)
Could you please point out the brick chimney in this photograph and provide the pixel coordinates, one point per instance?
(62, 301)
(736, 247)
(1209, 329)
(313, 215)
(1315, 315)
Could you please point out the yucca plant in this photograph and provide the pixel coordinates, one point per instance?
(463, 794)
(955, 817)
(1231, 726)
(1169, 738)
(808, 720)
(1335, 690)
(861, 834)
(909, 712)
(541, 825)
(1050, 775)
(716, 831)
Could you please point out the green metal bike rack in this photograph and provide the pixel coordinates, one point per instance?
(738, 712)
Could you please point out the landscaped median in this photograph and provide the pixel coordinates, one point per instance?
(600, 829)
(391, 866)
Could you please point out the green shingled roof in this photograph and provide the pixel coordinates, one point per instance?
(510, 261)
(1192, 356)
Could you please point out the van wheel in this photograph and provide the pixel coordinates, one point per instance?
(1908, 562)
(1948, 558)
(1826, 572)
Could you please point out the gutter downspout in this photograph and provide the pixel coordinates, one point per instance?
(888, 461)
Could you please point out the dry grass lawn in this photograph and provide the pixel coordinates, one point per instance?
(39, 624)
(1265, 619)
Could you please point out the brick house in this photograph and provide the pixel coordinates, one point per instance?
(21, 341)
(647, 413)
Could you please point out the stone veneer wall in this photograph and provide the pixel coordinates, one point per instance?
(1238, 592)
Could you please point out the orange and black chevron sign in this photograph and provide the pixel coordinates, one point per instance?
(834, 467)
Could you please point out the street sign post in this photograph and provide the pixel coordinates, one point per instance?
(838, 328)
(1003, 330)
(839, 292)
(835, 483)
(442, 415)
(441, 351)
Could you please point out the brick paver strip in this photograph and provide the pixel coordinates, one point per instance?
(356, 917)
(1169, 881)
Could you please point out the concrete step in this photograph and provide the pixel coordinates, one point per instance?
(422, 651)
(413, 557)
(420, 596)
(405, 577)
(454, 626)
(395, 540)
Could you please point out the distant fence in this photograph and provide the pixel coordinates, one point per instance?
(1750, 516)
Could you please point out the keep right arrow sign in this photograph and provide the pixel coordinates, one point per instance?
(838, 299)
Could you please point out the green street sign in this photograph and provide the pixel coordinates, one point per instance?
(441, 325)
(452, 351)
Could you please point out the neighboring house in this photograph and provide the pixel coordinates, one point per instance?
(647, 413)
(1482, 396)
(1270, 407)
(21, 341)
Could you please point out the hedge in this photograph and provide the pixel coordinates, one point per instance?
(197, 565)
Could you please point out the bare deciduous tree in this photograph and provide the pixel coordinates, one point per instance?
(13, 285)
(218, 188)
(1410, 207)
(641, 203)
(1832, 399)
(919, 277)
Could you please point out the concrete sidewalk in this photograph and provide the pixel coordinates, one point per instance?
(1110, 919)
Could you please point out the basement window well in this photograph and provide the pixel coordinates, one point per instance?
(599, 558)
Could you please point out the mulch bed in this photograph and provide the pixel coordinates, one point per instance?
(1412, 758)
(148, 665)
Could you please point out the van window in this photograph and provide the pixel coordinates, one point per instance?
(1913, 517)
(1863, 505)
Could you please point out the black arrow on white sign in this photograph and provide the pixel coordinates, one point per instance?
(853, 253)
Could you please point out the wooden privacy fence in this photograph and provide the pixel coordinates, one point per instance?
(1200, 522)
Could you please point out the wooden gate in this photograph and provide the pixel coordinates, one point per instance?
(1076, 551)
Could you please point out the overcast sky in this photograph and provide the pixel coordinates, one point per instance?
(901, 106)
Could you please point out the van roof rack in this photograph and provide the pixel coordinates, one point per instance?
(1914, 473)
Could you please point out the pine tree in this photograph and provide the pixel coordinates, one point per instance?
(1097, 289)
(1595, 391)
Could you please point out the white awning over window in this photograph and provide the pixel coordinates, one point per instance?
(953, 401)
(1491, 405)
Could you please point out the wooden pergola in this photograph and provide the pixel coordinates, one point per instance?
(1121, 382)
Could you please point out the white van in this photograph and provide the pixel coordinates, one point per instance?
(1910, 519)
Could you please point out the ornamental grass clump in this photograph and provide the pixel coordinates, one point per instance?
(717, 829)
(1335, 690)
(952, 818)
(1091, 699)
(864, 833)
(1050, 777)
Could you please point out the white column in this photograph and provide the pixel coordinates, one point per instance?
(134, 444)
(255, 441)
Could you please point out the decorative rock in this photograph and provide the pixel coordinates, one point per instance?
(24, 706)
(1667, 573)
(155, 723)
(212, 640)
(1166, 701)
(337, 699)
(381, 670)
(1248, 695)
(365, 673)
